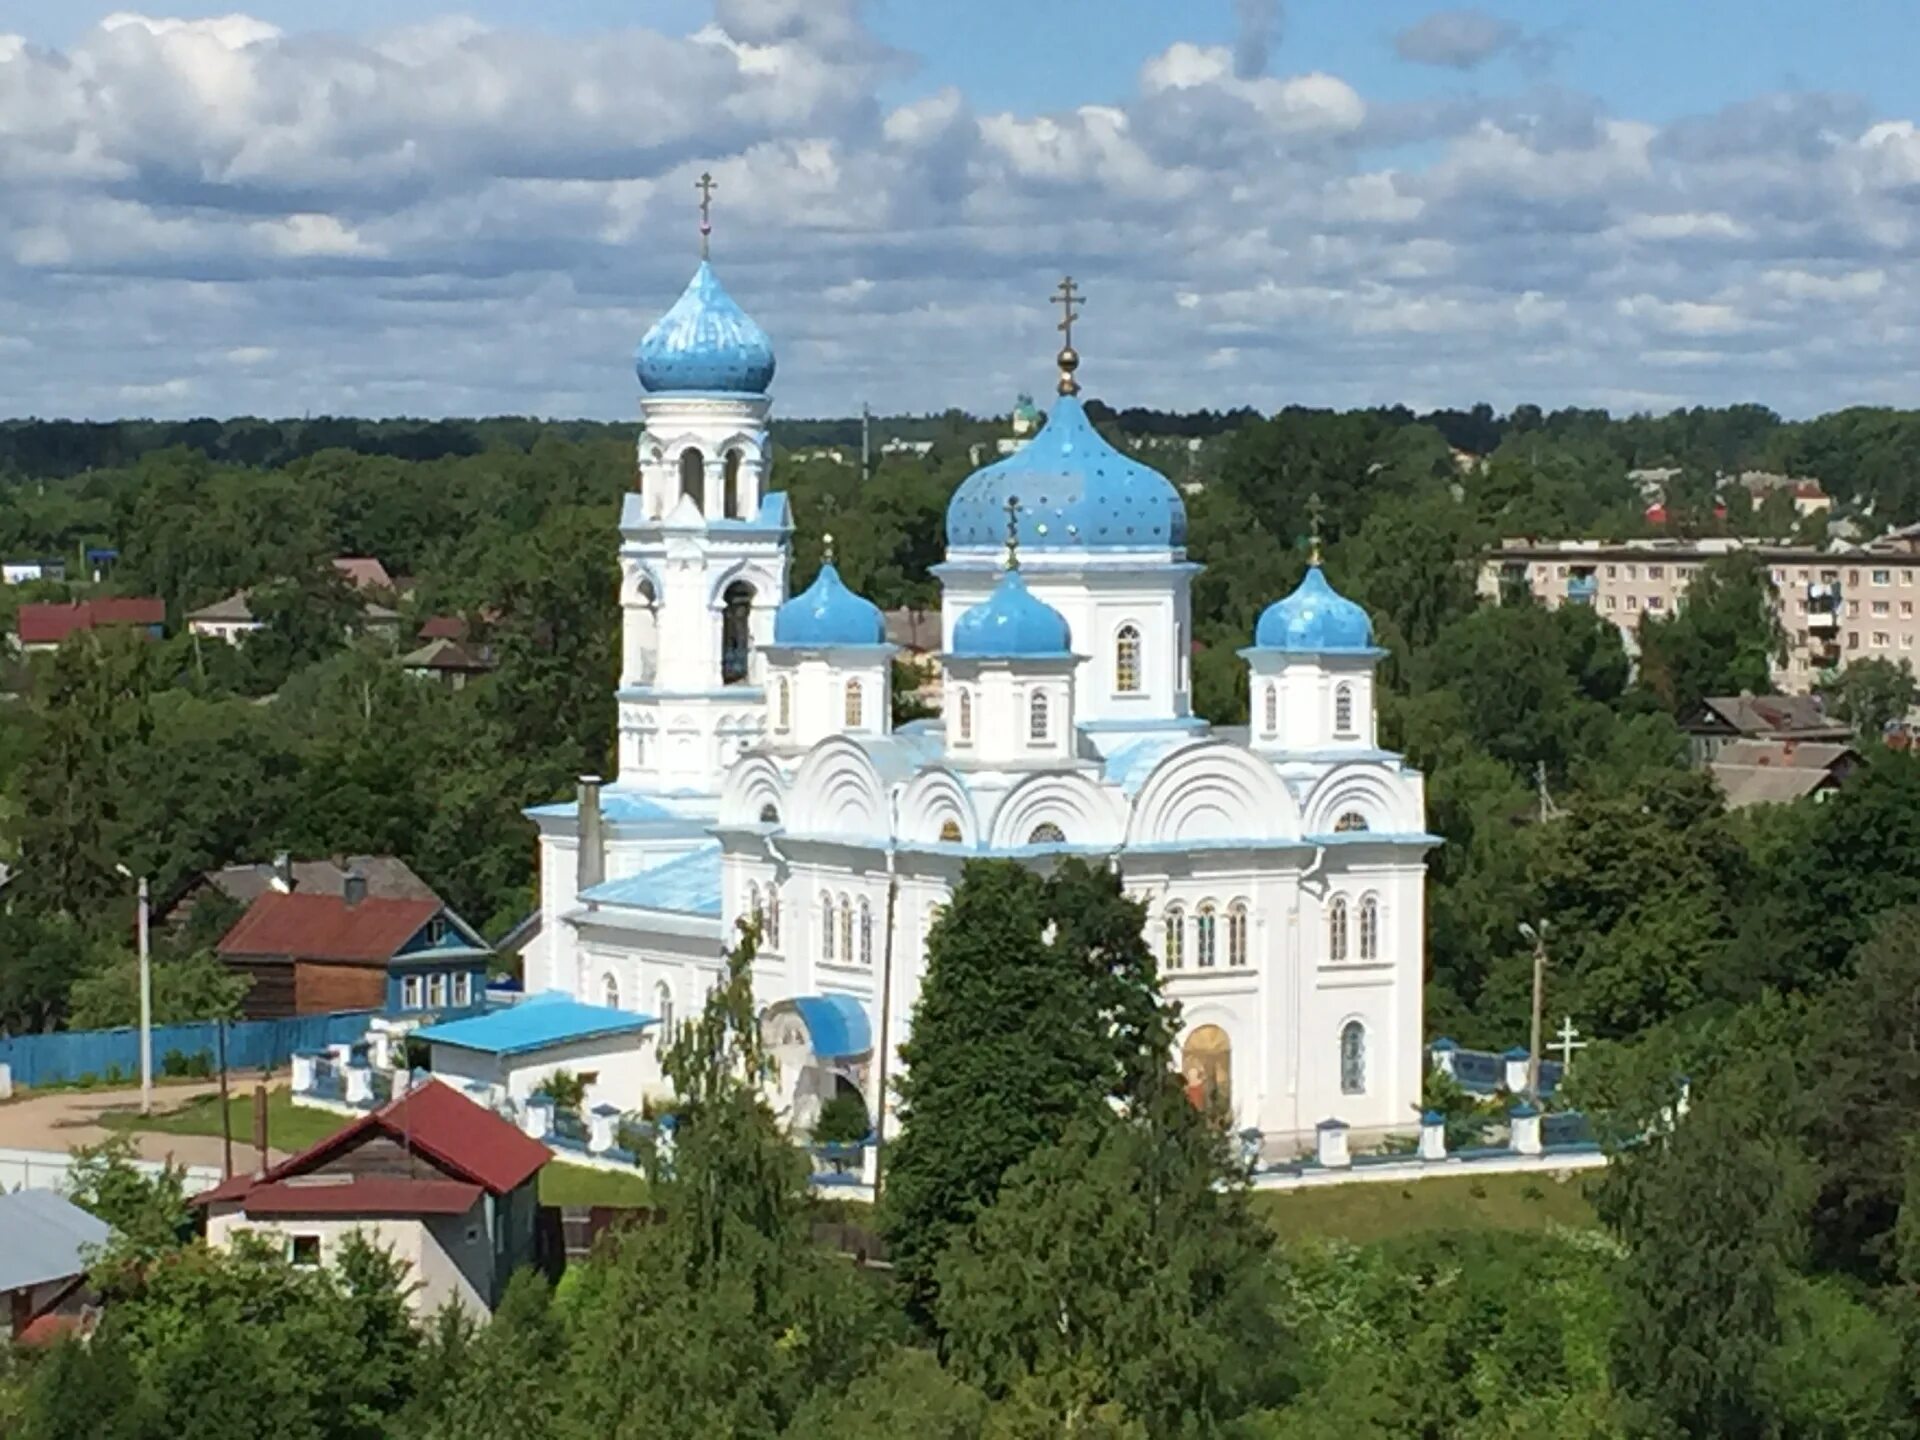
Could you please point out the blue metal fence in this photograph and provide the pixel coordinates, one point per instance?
(67, 1055)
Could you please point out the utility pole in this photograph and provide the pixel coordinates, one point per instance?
(866, 442)
(1537, 936)
(146, 992)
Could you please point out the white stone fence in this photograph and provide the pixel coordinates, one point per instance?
(49, 1170)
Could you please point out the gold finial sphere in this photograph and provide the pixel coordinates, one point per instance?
(1069, 361)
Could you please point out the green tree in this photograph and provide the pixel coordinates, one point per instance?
(1868, 694)
(1725, 638)
(907, 1393)
(148, 1212)
(195, 986)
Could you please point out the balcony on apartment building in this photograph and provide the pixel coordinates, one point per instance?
(1581, 586)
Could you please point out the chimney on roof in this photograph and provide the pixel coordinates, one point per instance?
(592, 836)
(354, 887)
(283, 873)
(259, 1131)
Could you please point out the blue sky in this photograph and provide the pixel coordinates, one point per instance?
(410, 209)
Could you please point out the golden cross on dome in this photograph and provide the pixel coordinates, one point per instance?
(1069, 299)
(1013, 532)
(1314, 511)
(706, 185)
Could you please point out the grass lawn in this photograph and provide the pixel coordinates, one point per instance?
(289, 1127)
(1385, 1211)
(564, 1184)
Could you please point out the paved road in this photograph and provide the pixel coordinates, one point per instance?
(62, 1119)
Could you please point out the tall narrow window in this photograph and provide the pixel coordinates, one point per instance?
(846, 931)
(1037, 717)
(866, 933)
(736, 638)
(1237, 933)
(826, 926)
(966, 716)
(1204, 936)
(855, 707)
(730, 487)
(1272, 712)
(1176, 937)
(693, 477)
(1337, 928)
(1126, 660)
(1343, 710)
(773, 917)
(663, 1010)
(1369, 928)
(609, 991)
(1353, 1058)
(783, 706)
(754, 912)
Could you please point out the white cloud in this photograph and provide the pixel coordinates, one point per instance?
(1457, 39)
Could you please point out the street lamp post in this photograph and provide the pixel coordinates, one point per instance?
(146, 997)
(1536, 935)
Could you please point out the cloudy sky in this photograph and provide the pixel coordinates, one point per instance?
(397, 209)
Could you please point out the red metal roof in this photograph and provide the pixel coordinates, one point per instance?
(42, 623)
(363, 1195)
(471, 1144)
(325, 927)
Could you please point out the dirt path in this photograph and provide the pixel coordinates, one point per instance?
(62, 1119)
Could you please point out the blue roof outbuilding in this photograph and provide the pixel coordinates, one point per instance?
(827, 613)
(536, 1023)
(1012, 624)
(1315, 619)
(706, 342)
(1076, 492)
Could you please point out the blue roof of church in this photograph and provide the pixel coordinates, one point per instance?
(539, 1021)
(705, 342)
(1315, 618)
(828, 613)
(617, 807)
(687, 885)
(836, 1024)
(1011, 623)
(1075, 491)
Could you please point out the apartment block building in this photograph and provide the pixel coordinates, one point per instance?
(1835, 605)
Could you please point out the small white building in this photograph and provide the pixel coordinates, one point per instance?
(510, 1053)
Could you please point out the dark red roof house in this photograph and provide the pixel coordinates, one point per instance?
(447, 1186)
(42, 626)
(311, 952)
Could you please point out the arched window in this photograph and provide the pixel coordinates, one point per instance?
(1237, 933)
(693, 477)
(1126, 660)
(846, 931)
(754, 911)
(1272, 712)
(730, 487)
(1204, 927)
(736, 637)
(772, 936)
(663, 1010)
(769, 814)
(966, 716)
(1176, 937)
(1337, 928)
(1037, 717)
(855, 707)
(950, 832)
(1047, 833)
(1369, 928)
(1350, 822)
(1353, 1058)
(866, 933)
(610, 991)
(1343, 710)
(783, 706)
(826, 926)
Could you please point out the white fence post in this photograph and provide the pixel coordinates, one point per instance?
(1440, 1055)
(1330, 1138)
(1433, 1136)
(1525, 1133)
(1516, 1059)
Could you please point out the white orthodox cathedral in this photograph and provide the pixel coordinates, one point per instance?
(1281, 866)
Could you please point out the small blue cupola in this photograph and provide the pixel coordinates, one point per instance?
(827, 614)
(1076, 492)
(705, 343)
(1315, 619)
(1012, 624)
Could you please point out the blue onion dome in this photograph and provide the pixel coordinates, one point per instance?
(1076, 492)
(1012, 624)
(828, 613)
(1315, 617)
(705, 342)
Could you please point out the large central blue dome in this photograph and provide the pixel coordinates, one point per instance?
(1076, 492)
(706, 342)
